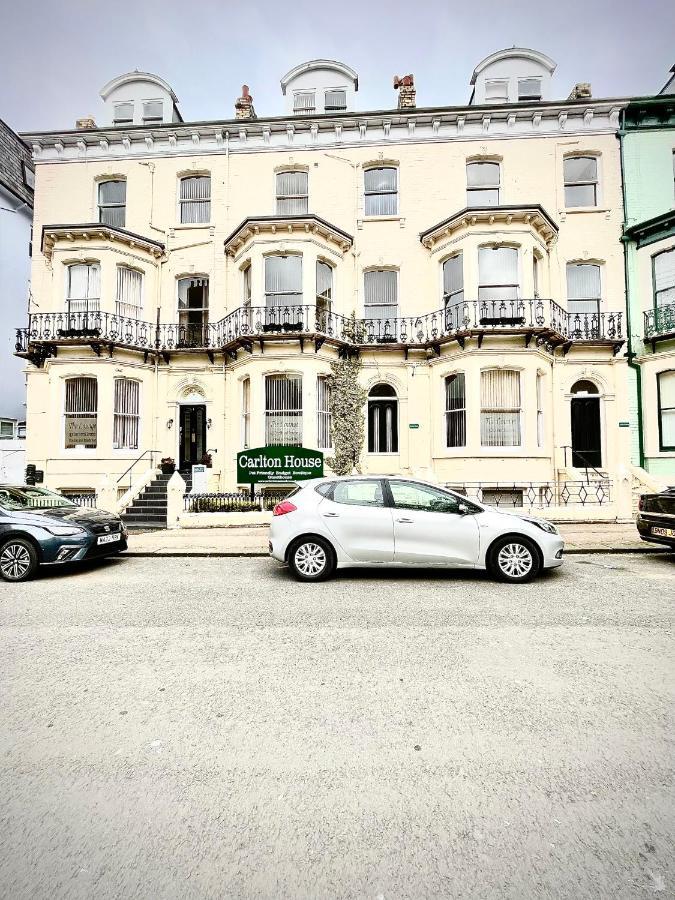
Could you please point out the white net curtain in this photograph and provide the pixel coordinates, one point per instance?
(128, 302)
(195, 199)
(381, 191)
(126, 421)
(83, 291)
(292, 197)
(500, 408)
(283, 281)
(583, 288)
(283, 410)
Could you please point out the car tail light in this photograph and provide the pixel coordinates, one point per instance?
(284, 507)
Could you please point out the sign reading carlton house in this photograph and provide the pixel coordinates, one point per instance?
(278, 465)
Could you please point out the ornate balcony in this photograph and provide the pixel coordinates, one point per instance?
(540, 320)
(660, 324)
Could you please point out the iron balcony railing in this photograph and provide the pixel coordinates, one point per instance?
(660, 321)
(483, 316)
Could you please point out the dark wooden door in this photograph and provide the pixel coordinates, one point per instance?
(586, 432)
(192, 435)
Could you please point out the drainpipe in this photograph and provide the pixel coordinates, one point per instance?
(630, 356)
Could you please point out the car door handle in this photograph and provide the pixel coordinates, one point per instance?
(331, 515)
(405, 521)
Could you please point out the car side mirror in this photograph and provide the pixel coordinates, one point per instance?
(463, 509)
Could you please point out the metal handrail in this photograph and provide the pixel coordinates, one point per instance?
(131, 467)
(588, 464)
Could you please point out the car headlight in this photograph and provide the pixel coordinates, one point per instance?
(549, 527)
(65, 530)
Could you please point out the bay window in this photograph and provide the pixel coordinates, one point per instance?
(283, 410)
(283, 281)
(292, 194)
(324, 291)
(453, 291)
(83, 288)
(381, 191)
(129, 300)
(195, 199)
(498, 273)
(112, 203)
(455, 410)
(126, 420)
(500, 408)
(80, 413)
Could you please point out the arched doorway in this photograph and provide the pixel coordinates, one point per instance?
(586, 425)
(382, 419)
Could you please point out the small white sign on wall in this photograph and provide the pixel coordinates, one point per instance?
(200, 480)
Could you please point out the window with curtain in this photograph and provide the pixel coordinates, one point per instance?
(247, 293)
(453, 291)
(292, 193)
(195, 199)
(193, 310)
(153, 112)
(380, 294)
(324, 290)
(455, 410)
(498, 273)
(382, 419)
(500, 410)
(304, 102)
(283, 280)
(80, 413)
(529, 89)
(323, 419)
(497, 91)
(540, 410)
(583, 288)
(129, 300)
(123, 114)
(666, 400)
(482, 184)
(381, 191)
(126, 421)
(246, 413)
(283, 410)
(83, 288)
(664, 278)
(112, 203)
(581, 181)
(335, 101)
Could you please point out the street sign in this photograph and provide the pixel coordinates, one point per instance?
(279, 464)
(624, 424)
(414, 425)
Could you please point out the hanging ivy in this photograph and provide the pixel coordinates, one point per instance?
(347, 398)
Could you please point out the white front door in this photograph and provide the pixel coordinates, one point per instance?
(358, 519)
(429, 528)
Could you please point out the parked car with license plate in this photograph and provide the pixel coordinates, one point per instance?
(41, 528)
(656, 518)
(369, 520)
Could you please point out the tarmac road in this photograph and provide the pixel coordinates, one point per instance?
(206, 728)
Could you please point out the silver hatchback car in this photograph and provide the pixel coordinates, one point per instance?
(367, 520)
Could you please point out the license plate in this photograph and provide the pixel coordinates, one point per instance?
(109, 538)
(664, 532)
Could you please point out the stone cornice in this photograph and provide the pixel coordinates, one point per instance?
(375, 128)
(533, 215)
(289, 227)
(651, 230)
(53, 233)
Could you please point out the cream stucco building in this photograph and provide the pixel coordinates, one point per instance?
(194, 281)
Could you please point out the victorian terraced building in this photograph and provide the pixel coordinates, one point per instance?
(194, 281)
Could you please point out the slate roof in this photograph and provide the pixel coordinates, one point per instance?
(14, 155)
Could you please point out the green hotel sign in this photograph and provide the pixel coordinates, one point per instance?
(278, 465)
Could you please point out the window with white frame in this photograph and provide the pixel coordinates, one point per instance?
(127, 418)
(246, 412)
(195, 199)
(6, 429)
(666, 400)
(498, 277)
(83, 288)
(304, 102)
(129, 300)
(529, 89)
(112, 202)
(335, 100)
(283, 410)
(536, 278)
(193, 310)
(540, 409)
(664, 278)
(482, 184)
(283, 280)
(123, 114)
(583, 288)
(453, 291)
(247, 291)
(323, 417)
(380, 294)
(500, 410)
(381, 191)
(581, 181)
(382, 419)
(455, 410)
(324, 290)
(292, 193)
(153, 112)
(80, 413)
(497, 91)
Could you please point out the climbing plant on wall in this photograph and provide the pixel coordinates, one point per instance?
(346, 402)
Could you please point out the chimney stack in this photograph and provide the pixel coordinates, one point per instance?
(581, 91)
(406, 91)
(86, 122)
(244, 105)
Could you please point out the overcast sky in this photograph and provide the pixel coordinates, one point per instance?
(57, 55)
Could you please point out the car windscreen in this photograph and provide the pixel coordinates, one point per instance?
(17, 498)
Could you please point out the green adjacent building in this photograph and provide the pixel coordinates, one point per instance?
(647, 136)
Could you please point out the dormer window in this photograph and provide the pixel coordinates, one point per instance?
(529, 89)
(335, 101)
(304, 103)
(123, 114)
(497, 91)
(153, 112)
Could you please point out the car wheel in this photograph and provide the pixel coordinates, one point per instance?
(18, 560)
(312, 559)
(514, 559)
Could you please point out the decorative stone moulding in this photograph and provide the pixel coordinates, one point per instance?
(534, 216)
(291, 226)
(52, 234)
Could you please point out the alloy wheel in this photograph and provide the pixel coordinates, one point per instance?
(310, 559)
(14, 561)
(515, 560)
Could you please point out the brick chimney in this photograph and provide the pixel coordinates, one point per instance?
(581, 91)
(86, 122)
(244, 105)
(406, 91)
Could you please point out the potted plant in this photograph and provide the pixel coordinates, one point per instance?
(207, 460)
(167, 465)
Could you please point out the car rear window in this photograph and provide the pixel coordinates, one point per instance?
(325, 489)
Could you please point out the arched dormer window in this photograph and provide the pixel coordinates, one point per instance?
(382, 419)
(112, 202)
